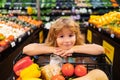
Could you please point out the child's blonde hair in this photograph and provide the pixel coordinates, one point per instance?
(58, 25)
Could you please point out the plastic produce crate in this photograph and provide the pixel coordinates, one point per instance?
(90, 61)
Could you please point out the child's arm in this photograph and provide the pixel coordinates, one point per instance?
(37, 49)
(92, 49)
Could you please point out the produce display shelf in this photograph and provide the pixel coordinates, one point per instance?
(106, 33)
(7, 56)
(101, 62)
(111, 44)
(18, 39)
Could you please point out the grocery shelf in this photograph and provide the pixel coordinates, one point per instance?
(110, 43)
(106, 33)
(20, 39)
(7, 56)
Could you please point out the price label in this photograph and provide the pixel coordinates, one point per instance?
(57, 7)
(63, 13)
(109, 50)
(14, 78)
(99, 29)
(90, 24)
(112, 35)
(12, 44)
(28, 32)
(19, 39)
(20, 8)
(89, 36)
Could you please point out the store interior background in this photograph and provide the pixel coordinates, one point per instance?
(99, 23)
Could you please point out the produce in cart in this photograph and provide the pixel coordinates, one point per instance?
(95, 74)
(68, 69)
(32, 71)
(53, 71)
(80, 70)
(21, 64)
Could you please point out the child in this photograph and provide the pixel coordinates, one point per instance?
(64, 39)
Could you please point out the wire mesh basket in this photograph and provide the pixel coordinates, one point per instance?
(90, 61)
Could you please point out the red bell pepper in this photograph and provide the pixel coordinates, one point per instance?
(21, 64)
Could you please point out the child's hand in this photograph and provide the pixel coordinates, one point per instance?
(63, 53)
(59, 51)
(67, 53)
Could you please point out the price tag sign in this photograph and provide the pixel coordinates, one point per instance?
(20, 8)
(91, 25)
(109, 50)
(99, 29)
(12, 44)
(112, 35)
(19, 39)
(28, 32)
(89, 36)
(57, 7)
(63, 13)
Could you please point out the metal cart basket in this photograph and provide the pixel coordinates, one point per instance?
(98, 61)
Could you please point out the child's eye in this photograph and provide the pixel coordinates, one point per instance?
(70, 35)
(61, 36)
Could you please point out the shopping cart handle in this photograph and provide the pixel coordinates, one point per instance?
(77, 55)
(86, 55)
(20, 55)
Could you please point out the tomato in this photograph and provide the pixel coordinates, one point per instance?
(58, 77)
(80, 70)
(68, 69)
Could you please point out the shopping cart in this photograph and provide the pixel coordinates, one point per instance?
(97, 61)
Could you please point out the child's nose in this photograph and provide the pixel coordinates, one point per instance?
(66, 39)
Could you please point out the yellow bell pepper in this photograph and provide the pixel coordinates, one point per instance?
(32, 71)
(31, 79)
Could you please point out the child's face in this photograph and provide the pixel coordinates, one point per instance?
(66, 39)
